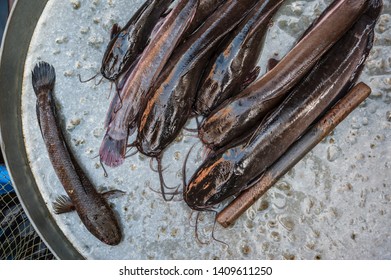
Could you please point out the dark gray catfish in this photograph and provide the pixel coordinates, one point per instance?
(234, 64)
(128, 42)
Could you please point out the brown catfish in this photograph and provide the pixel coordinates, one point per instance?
(92, 208)
(234, 63)
(204, 10)
(127, 43)
(231, 171)
(134, 93)
(230, 122)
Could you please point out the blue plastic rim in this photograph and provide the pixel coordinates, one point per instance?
(5, 181)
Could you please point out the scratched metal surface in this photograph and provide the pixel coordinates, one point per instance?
(335, 204)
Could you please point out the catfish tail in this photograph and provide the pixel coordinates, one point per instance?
(43, 77)
(112, 152)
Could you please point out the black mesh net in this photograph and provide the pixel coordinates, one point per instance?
(18, 239)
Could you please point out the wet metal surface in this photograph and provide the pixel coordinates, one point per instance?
(334, 204)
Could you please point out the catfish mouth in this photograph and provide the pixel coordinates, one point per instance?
(210, 184)
(108, 72)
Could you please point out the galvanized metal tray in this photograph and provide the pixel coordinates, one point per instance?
(333, 204)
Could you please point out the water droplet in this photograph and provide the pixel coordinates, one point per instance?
(97, 132)
(250, 213)
(174, 232)
(265, 246)
(133, 167)
(307, 205)
(246, 249)
(263, 205)
(75, 4)
(333, 152)
(287, 256)
(279, 201)
(262, 229)
(283, 186)
(61, 40)
(84, 30)
(315, 233)
(388, 116)
(286, 222)
(249, 224)
(275, 236)
(271, 224)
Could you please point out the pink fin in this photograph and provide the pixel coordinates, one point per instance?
(112, 152)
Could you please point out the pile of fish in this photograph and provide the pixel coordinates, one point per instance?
(174, 61)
